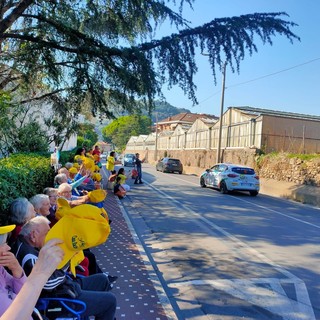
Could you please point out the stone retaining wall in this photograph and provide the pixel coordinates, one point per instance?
(293, 170)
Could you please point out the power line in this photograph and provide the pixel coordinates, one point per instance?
(274, 73)
(262, 77)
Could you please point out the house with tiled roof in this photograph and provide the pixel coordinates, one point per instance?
(183, 119)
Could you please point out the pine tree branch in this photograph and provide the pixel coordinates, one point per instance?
(7, 22)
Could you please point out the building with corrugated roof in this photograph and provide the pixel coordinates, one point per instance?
(242, 128)
(270, 130)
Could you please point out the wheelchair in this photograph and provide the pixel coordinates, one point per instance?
(59, 308)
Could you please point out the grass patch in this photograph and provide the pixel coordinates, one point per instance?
(306, 157)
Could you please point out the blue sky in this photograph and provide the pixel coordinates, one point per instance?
(295, 90)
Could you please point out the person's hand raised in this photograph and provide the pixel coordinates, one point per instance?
(49, 258)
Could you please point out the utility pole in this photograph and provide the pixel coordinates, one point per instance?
(156, 142)
(221, 112)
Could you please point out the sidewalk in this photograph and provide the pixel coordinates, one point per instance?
(137, 298)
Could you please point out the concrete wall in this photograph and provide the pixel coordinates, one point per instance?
(196, 161)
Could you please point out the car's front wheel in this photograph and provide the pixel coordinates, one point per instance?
(223, 187)
(202, 182)
(253, 193)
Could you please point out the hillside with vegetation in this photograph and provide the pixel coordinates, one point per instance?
(164, 110)
(119, 131)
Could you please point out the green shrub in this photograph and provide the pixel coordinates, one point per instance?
(23, 175)
(67, 156)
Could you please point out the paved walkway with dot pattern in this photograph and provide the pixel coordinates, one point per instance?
(137, 298)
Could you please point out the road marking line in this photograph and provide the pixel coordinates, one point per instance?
(162, 295)
(280, 213)
(301, 290)
(271, 297)
(260, 206)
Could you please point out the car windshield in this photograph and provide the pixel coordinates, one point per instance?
(129, 156)
(239, 170)
(174, 161)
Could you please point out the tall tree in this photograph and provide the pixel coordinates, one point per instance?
(87, 136)
(103, 51)
(19, 129)
(119, 131)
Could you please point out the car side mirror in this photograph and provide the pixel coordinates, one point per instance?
(208, 170)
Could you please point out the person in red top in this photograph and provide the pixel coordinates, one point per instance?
(96, 151)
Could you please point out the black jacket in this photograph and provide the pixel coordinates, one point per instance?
(27, 257)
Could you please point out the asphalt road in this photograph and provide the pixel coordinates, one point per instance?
(227, 256)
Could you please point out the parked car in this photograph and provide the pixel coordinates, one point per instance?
(169, 165)
(103, 156)
(229, 177)
(128, 159)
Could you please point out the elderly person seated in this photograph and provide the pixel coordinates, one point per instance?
(68, 165)
(41, 204)
(52, 193)
(59, 179)
(20, 211)
(93, 290)
(65, 191)
(22, 305)
(10, 283)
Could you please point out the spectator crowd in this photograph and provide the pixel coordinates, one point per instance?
(34, 238)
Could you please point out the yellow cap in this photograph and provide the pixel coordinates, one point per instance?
(63, 207)
(73, 170)
(97, 177)
(7, 229)
(89, 163)
(98, 195)
(81, 227)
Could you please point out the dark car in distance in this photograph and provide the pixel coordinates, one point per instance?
(169, 165)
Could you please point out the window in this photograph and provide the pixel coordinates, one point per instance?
(171, 161)
(248, 171)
